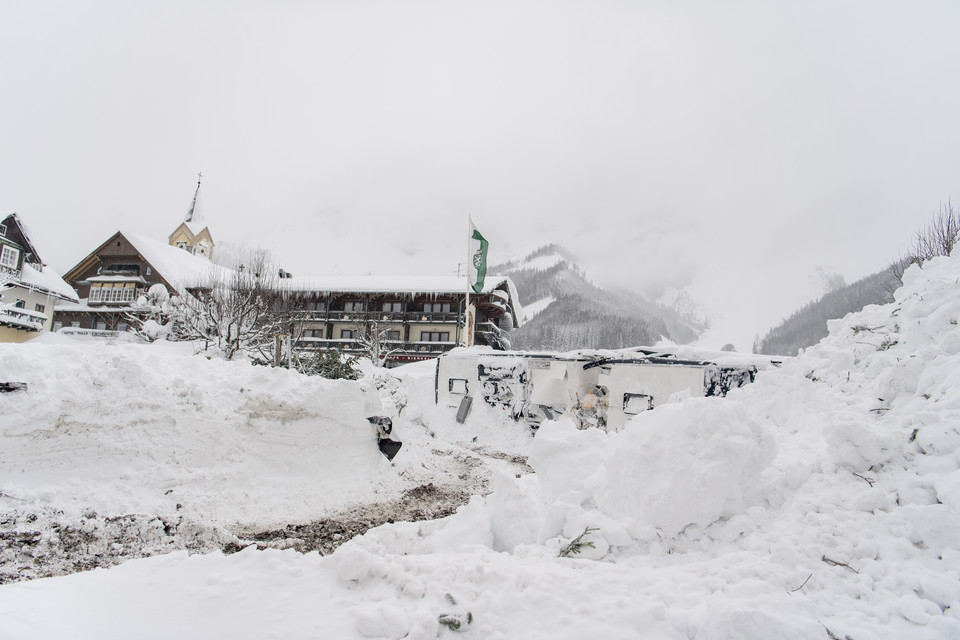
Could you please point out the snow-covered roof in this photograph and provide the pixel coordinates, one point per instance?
(176, 266)
(389, 284)
(195, 227)
(406, 285)
(139, 279)
(83, 306)
(45, 279)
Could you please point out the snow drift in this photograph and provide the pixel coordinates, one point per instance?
(823, 501)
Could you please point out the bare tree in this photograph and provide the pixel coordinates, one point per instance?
(239, 311)
(374, 339)
(939, 236)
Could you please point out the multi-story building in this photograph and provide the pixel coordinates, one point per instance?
(418, 317)
(114, 275)
(29, 290)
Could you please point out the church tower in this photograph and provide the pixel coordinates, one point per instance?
(193, 235)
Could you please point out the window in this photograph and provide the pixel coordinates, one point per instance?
(101, 326)
(436, 307)
(122, 326)
(38, 307)
(3, 229)
(347, 334)
(9, 257)
(435, 336)
(634, 403)
(123, 269)
(75, 324)
(393, 307)
(111, 294)
(313, 333)
(393, 335)
(457, 385)
(57, 326)
(315, 305)
(353, 305)
(20, 304)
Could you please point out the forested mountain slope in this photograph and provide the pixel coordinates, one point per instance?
(808, 325)
(566, 311)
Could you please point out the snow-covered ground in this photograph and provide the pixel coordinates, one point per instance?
(823, 501)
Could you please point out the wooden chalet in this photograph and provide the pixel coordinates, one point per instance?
(29, 290)
(114, 275)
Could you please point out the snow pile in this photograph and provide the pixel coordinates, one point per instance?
(823, 497)
(145, 429)
(690, 463)
(823, 501)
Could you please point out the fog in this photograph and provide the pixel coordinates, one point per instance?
(736, 149)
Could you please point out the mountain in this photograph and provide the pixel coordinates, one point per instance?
(563, 310)
(808, 325)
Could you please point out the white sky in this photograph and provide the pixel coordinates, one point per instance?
(731, 147)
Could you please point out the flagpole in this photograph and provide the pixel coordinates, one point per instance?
(466, 304)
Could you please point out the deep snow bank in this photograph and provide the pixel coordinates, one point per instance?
(824, 497)
(131, 428)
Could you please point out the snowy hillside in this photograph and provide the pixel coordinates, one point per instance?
(565, 311)
(808, 325)
(823, 501)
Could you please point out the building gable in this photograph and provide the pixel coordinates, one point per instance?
(119, 257)
(13, 232)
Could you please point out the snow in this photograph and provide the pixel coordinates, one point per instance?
(15, 316)
(178, 267)
(397, 284)
(137, 279)
(541, 263)
(532, 309)
(821, 501)
(45, 279)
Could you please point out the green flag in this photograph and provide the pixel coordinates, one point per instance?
(477, 268)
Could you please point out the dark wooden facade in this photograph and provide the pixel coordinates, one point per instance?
(421, 325)
(118, 259)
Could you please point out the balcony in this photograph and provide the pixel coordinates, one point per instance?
(433, 317)
(489, 327)
(9, 273)
(396, 346)
(22, 319)
(398, 317)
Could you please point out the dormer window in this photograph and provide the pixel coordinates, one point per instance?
(9, 257)
(3, 229)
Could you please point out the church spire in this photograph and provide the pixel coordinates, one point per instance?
(195, 214)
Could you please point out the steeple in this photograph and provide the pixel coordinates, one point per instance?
(195, 214)
(192, 234)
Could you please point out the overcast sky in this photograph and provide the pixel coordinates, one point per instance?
(732, 148)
